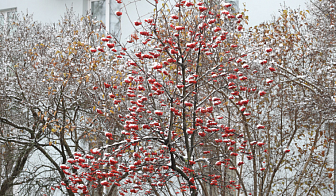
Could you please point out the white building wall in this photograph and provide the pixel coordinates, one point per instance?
(45, 11)
(50, 11)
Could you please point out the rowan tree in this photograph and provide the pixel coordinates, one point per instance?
(180, 90)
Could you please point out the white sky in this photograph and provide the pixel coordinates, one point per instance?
(262, 10)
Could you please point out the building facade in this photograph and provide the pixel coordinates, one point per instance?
(50, 11)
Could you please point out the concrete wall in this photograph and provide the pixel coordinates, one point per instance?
(45, 11)
(49, 11)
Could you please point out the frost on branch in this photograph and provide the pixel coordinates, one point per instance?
(192, 104)
(172, 102)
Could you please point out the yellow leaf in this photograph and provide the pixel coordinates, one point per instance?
(288, 168)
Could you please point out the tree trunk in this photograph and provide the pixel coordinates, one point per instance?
(7, 185)
(333, 128)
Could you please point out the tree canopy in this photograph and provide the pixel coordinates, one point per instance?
(194, 103)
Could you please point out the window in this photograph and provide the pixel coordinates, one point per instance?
(235, 5)
(98, 9)
(7, 15)
(104, 10)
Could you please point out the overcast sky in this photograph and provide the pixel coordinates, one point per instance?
(261, 10)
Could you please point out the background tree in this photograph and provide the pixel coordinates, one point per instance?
(304, 99)
(47, 99)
